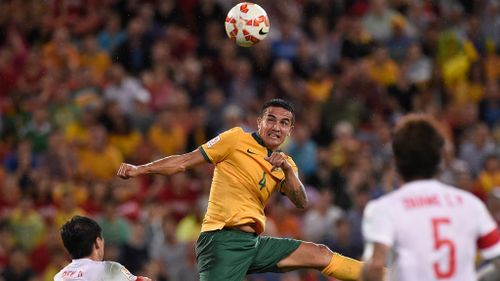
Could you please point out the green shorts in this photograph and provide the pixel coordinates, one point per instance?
(230, 255)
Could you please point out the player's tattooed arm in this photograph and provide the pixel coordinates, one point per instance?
(291, 186)
(295, 192)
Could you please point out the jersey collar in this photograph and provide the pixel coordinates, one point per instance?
(259, 140)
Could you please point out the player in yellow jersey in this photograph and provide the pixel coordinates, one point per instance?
(248, 168)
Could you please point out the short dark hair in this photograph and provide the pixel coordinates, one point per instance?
(79, 235)
(279, 103)
(417, 145)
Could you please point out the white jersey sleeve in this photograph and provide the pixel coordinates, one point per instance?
(377, 225)
(488, 242)
(118, 272)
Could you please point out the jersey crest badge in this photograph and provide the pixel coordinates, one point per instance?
(213, 141)
(127, 273)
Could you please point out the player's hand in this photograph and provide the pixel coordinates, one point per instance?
(278, 160)
(127, 171)
(142, 278)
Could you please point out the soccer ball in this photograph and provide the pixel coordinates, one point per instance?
(247, 24)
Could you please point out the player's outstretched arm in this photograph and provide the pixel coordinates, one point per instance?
(292, 187)
(165, 166)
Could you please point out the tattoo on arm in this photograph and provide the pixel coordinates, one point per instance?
(297, 195)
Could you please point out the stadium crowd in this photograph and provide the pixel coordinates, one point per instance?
(87, 84)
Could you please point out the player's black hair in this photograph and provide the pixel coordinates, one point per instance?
(417, 145)
(279, 103)
(79, 235)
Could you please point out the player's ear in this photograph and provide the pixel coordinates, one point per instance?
(290, 132)
(259, 119)
(99, 243)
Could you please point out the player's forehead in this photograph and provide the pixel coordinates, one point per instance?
(278, 112)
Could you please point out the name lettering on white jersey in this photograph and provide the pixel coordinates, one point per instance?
(421, 201)
(89, 270)
(72, 274)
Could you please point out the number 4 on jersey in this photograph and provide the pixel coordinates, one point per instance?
(262, 182)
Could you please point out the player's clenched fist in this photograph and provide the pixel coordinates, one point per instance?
(278, 160)
(128, 171)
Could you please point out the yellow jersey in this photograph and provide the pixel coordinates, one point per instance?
(242, 181)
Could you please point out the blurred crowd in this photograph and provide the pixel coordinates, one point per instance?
(87, 84)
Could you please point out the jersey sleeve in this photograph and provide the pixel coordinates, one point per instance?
(294, 166)
(218, 148)
(295, 169)
(377, 226)
(488, 241)
(118, 272)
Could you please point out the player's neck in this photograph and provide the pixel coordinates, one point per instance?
(95, 256)
(405, 181)
(259, 139)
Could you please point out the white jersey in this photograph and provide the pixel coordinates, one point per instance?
(434, 231)
(90, 270)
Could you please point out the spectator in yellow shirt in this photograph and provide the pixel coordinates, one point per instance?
(96, 60)
(99, 160)
(166, 136)
(320, 85)
(491, 62)
(77, 132)
(382, 68)
(60, 53)
(27, 226)
(67, 210)
(490, 176)
(122, 135)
